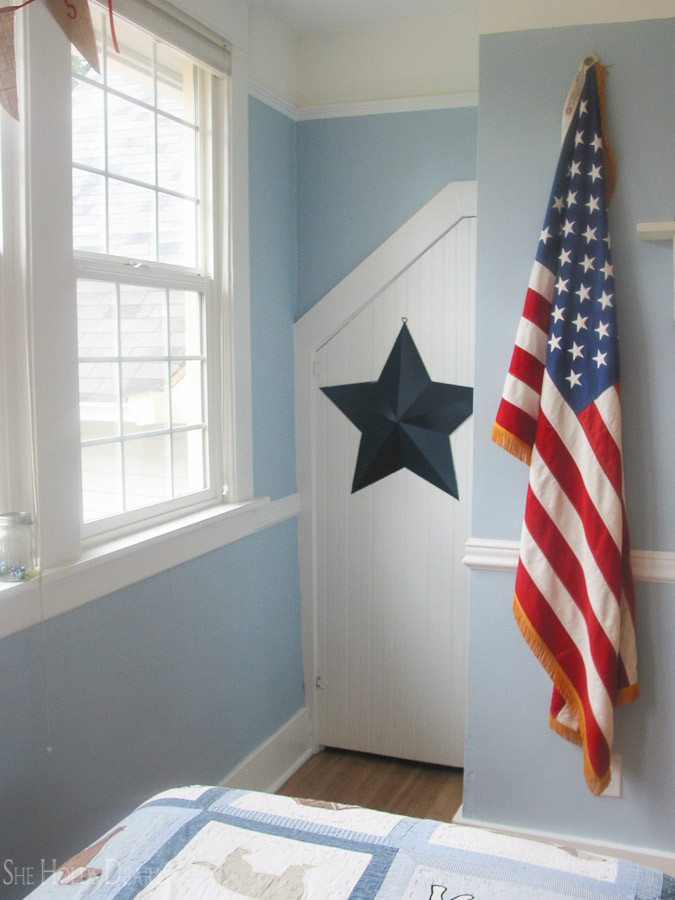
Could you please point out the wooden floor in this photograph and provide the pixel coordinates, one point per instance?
(378, 782)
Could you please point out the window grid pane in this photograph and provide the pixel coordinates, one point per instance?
(137, 131)
(142, 395)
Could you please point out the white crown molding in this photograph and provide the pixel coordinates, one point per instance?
(362, 107)
(273, 101)
(502, 556)
(498, 17)
(378, 107)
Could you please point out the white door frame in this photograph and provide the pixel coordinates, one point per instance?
(454, 202)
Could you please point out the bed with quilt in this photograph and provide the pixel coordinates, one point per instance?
(214, 843)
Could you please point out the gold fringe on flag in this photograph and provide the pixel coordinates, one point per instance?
(512, 444)
(596, 783)
(628, 694)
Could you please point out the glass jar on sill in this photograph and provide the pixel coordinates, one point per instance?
(17, 548)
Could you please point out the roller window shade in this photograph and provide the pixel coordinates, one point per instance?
(175, 27)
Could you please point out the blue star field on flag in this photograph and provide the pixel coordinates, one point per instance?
(575, 245)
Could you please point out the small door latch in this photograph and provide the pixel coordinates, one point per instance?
(318, 684)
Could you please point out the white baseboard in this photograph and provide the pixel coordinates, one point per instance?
(655, 859)
(275, 760)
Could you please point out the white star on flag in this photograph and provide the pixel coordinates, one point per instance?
(602, 330)
(592, 204)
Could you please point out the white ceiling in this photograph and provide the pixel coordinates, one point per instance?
(315, 16)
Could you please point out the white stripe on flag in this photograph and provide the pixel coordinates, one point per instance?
(608, 406)
(628, 647)
(573, 622)
(531, 338)
(521, 395)
(572, 435)
(542, 280)
(566, 717)
(560, 510)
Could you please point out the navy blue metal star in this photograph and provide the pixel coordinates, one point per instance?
(405, 419)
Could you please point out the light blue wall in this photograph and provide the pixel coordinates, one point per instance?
(517, 771)
(360, 178)
(173, 680)
(274, 258)
(177, 678)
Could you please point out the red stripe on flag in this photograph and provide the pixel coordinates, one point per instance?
(604, 444)
(561, 657)
(563, 561)
(527, 368)
(517, 422)
(564, 468)
(537, 309)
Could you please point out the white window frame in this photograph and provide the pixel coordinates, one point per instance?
(15, 447)
(204, 279)
(50, 288)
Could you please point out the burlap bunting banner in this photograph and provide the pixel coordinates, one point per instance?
(73, 16)
(8, 96)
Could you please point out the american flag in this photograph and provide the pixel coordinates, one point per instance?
(574, 600)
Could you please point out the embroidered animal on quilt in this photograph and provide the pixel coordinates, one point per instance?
(237, 874)
(77, 869)
(324, 804)
(438, 892)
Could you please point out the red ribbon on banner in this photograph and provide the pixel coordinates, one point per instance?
(78, 28)
(17, 6)
(112, 27)
(14, 8)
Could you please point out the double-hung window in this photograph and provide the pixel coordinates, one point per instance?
(149, 170)
(125, 381)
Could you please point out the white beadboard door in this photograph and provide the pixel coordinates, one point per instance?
(392, 593)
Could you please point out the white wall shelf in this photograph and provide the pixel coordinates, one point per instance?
(656, 231)
(659, 231)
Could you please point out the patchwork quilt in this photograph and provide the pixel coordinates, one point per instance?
(215, 843)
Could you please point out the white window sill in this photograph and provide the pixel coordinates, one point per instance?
(116, 564)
